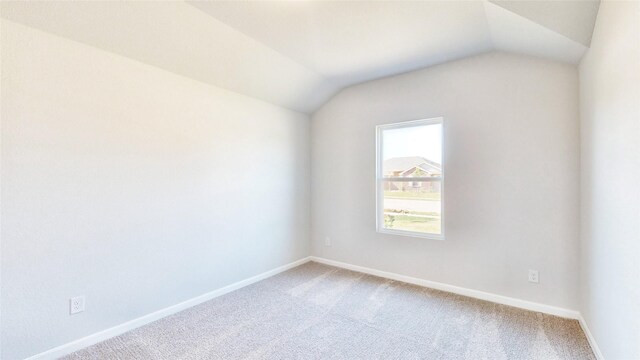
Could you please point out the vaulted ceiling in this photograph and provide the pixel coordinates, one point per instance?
(297, 54)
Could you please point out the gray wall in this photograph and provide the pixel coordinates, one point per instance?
(511, 189)
(610, 131)
(134, 187)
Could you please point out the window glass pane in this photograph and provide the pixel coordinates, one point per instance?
(412, 206)
(412, 151)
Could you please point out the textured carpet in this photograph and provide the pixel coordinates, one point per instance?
(319, 312)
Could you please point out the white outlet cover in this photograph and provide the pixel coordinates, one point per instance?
(533, 276)
(327, 241)
(76, 305)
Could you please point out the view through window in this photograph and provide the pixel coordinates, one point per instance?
(410, 178)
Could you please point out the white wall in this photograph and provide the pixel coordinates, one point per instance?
(511, 159)
(610, 131)
(134, 187)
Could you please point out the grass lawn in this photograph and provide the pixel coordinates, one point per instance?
(413, 223)
(412, 195)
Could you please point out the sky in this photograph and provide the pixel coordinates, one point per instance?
(425, 141)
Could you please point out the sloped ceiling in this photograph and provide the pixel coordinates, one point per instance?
(297, 54)
(573, 19)
(351, 42)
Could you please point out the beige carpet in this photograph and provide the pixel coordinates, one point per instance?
(320, 312)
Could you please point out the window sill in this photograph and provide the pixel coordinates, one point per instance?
(411, 234)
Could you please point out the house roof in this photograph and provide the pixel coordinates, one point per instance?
(431, 167)
(409, 162)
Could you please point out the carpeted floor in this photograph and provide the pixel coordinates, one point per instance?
(320, 312)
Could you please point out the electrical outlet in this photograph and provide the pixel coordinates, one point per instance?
(533, 276)
(76, 305)
(327, 241)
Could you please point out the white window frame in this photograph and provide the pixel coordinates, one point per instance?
(380, 178)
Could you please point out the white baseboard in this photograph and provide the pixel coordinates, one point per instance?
(590, 338)
(477, 294)
(76, 345)
(500, 299)
(135, 323)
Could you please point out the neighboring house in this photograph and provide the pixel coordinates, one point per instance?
(412, 166)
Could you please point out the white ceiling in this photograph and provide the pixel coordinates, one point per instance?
(351, 42)
(573, 19)
(297, 54)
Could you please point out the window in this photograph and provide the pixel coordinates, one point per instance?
(410, 178)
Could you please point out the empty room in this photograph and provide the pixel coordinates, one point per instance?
(350, 180)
